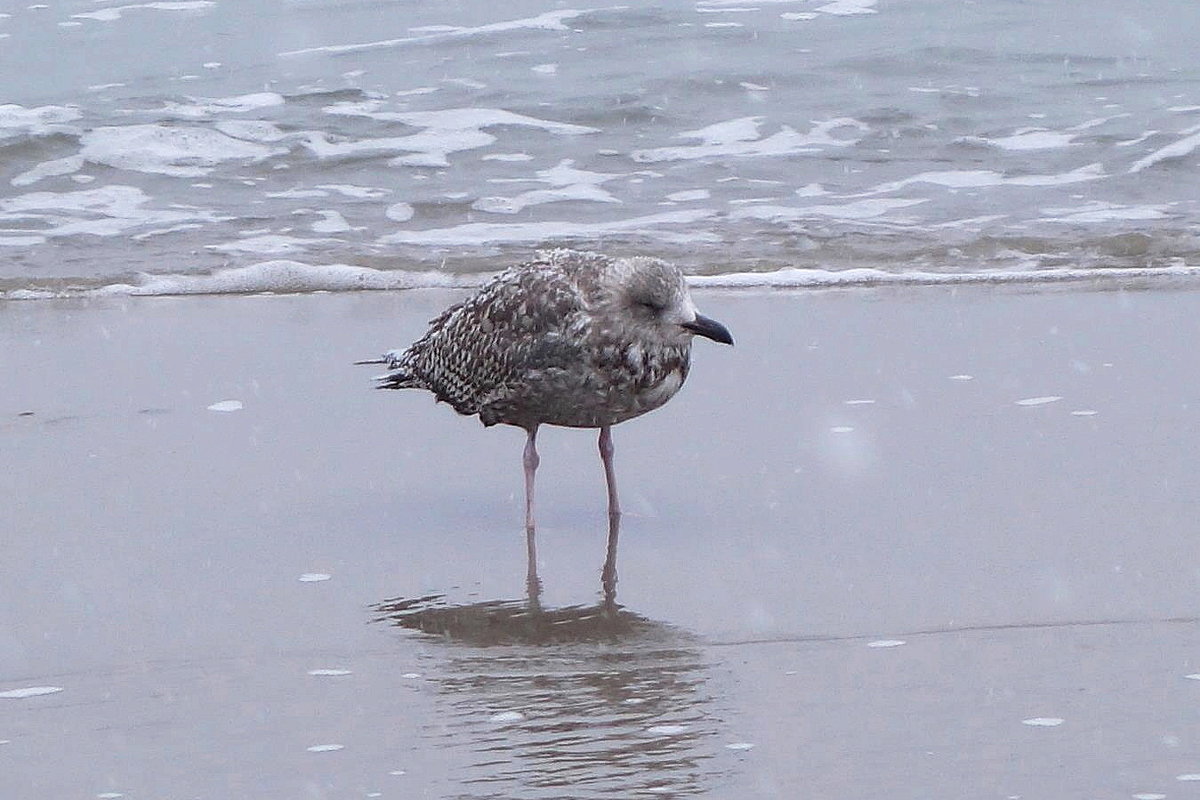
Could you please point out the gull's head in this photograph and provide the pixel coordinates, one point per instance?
(653, 295)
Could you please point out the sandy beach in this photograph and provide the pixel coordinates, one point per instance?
(898, 542)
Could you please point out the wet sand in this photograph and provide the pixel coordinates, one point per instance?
(866, 554)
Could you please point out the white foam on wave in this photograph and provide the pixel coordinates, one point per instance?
(1138, 140)
(1033, 139)
(297, 194)
(354, 191)
(286, 276)
(720, 3)
(1100, 211)
(461, 119)
(21, 241)
(794, 278)
(477, 233)
(399, 212)
(514, 205)
(967, 222)
(569, 184)
(848, 7)
(254, 130)
(856, 210)
(549, 21)
(269, 244)
(740, 138)
(689, 195)
(743, 129)
(1179, 149)
(330, 221)
(30, 691)
(981, 178)
(177, 151)
(205, 107)
(114, 13)
(49, 169)
(104, 211)
(1098, 121)
(17, 120)
(446, 131)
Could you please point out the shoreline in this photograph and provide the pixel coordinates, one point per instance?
(284, 276)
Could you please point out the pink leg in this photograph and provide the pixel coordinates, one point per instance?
(531, 465)
(610, 477)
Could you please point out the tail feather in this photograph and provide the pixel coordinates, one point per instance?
(400, 376)
(398, 379)
(393, 358)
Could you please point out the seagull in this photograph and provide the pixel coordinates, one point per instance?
(574, 339)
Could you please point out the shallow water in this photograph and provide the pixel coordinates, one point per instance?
(933, 136)
(889, 578)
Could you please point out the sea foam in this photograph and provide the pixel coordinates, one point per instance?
(290, 277)
(178, 151)
(551, 21)
(739, 138)
(287, 277)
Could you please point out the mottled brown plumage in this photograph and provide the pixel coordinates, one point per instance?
(574, 339)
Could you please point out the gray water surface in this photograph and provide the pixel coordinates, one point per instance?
(932, 135)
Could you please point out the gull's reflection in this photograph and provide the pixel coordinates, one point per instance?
(581, 701)
(524, 621)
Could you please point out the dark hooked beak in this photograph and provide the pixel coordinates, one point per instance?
(709, 328)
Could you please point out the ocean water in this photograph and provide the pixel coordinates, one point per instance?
(332, 144)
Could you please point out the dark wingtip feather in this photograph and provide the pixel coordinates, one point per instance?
(397, 380)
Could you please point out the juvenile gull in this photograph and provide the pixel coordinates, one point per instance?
(573, 339)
